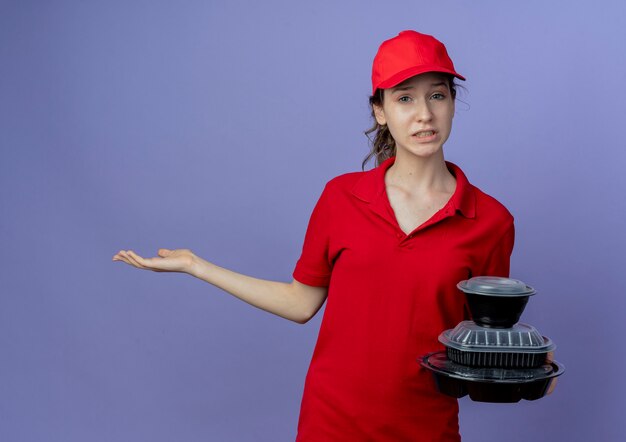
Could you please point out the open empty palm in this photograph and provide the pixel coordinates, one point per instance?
(166, 260)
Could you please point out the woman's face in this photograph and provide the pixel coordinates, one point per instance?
(418, 113)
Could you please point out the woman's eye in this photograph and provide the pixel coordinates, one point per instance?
(404, 99)
(438, 96)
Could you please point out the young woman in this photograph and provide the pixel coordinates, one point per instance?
(385, 249)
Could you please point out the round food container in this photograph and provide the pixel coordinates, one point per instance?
(491, 384)
(495, 301)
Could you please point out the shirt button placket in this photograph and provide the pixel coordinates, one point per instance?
(406, 242)
(401, 240)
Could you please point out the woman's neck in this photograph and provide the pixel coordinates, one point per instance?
(420, 174)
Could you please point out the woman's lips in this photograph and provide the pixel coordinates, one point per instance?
(425, 135)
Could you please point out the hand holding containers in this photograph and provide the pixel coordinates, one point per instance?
(494, 358)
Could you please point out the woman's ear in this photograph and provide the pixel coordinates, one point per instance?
(379, 114)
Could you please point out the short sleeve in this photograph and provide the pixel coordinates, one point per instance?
(499, 260)
(315, 266)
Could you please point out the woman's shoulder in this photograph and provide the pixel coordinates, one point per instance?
(346, 186)
(489, 205)
(476, 201)
(346, 180)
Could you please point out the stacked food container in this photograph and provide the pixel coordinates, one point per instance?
(494, 358)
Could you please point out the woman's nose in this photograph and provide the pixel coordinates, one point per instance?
(423, 112)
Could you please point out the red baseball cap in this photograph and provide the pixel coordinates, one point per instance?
(406, 55)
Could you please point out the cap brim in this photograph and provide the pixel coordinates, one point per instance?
(401, 76)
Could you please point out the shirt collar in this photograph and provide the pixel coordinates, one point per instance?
(371, 186)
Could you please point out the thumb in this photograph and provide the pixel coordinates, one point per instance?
(164, 252)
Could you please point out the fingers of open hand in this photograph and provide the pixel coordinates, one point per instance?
(121, 256)
(142, 263)
(131, 258)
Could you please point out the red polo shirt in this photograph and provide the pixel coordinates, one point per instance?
(390, 295)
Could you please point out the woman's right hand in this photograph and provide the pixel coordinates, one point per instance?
(294, 301)
(180, 260)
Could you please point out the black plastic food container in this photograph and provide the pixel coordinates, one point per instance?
(521, 346)
(494, 301)
(496, 359)
(491, 385)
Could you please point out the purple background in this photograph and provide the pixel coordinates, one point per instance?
(214, 126)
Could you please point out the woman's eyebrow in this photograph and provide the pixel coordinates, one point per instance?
(402, 88)
(407, 87)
